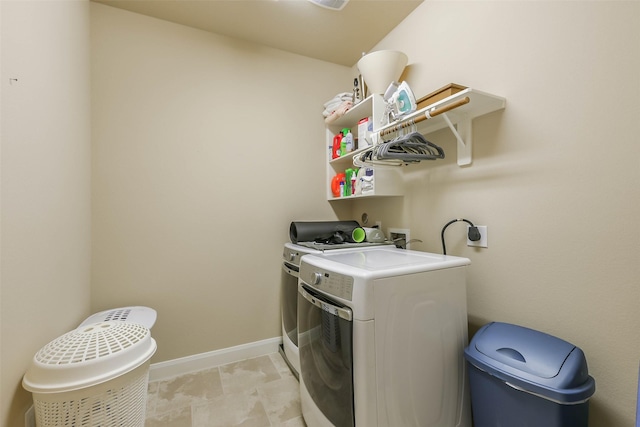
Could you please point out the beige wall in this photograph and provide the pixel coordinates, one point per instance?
(204, 150)
(555, 175)
(45, 188)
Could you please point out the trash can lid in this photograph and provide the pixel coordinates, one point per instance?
(88, 356)
(533, 361)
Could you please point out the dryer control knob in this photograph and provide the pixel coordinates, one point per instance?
(317, 278)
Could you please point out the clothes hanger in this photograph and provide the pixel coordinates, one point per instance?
(408, 147)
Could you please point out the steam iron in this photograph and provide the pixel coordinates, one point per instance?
(404, 100)
(400, 101)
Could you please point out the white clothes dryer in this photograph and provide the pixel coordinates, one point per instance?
(381, 335)
(291, 255)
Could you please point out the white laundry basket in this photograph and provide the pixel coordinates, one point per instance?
(93, 376)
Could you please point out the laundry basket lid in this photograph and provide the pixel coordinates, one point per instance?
(88, 356)
(144, 316)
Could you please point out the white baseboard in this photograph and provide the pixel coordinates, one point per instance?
(198, 362)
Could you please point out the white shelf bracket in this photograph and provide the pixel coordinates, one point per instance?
(463, 137)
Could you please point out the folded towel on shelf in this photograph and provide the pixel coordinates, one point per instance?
(332, 107)
(338, 112)
(336, 103)
(344, 96)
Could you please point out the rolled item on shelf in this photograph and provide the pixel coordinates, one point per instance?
(327, 231)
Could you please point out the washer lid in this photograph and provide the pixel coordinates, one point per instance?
(88, 356)
(390, 259)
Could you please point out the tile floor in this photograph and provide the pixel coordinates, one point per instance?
(258, 392)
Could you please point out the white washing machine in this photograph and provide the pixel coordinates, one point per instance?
(381, 335)
(291, 255)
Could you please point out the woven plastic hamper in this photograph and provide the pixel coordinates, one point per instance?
(93, 376)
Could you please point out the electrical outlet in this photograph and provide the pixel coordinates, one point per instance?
(483, 242)
(30, 417)
(379, 225)
(400, 236)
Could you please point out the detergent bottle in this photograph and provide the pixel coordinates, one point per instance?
(347, 185)
(354, 179)
(349, 140)
(343, 143)
(337, 140)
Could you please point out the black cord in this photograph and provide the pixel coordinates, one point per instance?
(473, 235)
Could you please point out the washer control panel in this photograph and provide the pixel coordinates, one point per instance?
(291, 256)
(336, 284)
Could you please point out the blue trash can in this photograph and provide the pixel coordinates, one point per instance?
(526, 378)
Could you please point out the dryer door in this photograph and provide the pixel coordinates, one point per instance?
(289, 301)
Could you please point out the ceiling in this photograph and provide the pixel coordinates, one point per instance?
(296, 26)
